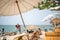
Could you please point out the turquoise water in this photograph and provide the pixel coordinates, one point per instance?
(12, 28)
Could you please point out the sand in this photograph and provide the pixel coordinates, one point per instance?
(12, 37)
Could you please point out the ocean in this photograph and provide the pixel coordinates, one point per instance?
(12, 28)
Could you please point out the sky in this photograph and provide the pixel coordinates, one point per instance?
(32, 17)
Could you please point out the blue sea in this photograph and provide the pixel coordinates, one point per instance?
(12, 28)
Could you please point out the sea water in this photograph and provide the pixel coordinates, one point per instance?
(12, 28)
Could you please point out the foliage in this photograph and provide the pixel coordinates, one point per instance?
(48, 4)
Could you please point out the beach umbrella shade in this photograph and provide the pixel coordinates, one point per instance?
(51, 17)
(56, 20)
(9, 7)
(15, 7)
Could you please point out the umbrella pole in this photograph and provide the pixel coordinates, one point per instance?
(20, 13)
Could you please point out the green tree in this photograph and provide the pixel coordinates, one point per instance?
(48, 4)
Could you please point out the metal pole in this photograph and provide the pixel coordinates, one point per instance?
(20, 13)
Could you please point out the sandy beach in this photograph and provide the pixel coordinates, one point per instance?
(12, 37)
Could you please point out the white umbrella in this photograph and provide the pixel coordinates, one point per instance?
(47, 18)
(51, 16)
(9, 7)
(15, 7)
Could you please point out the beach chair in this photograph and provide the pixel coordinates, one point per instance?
(35, 35)
(55, 35)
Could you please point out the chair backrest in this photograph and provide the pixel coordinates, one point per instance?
(57, 29)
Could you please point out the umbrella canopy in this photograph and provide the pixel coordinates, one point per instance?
(9, 7)
(56, 20)
(47, 18)
(51, 17)
(14, 7)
